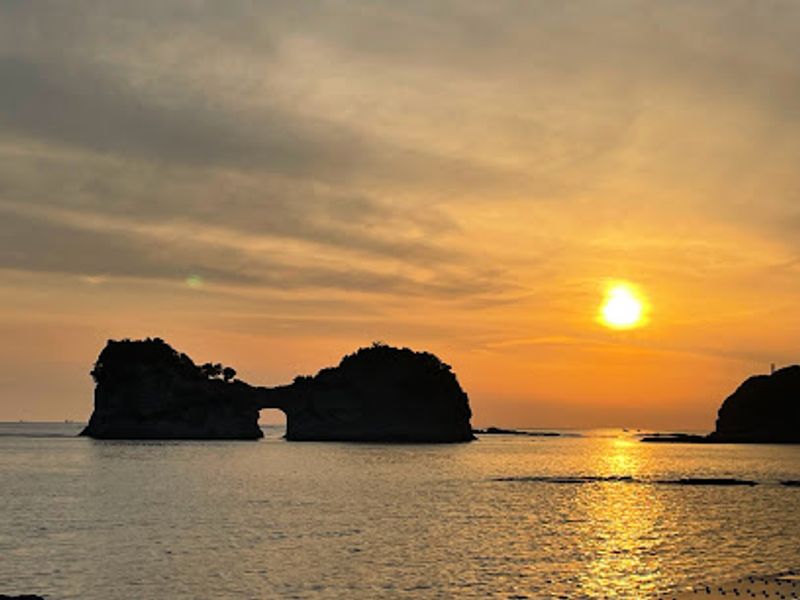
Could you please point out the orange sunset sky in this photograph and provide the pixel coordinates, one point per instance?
(272, 185)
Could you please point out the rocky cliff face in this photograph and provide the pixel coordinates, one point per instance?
(379, 393)
(765, 408)
(146, 390)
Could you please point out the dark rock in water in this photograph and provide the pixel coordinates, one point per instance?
(579, 479)
(764, 409)
(709, 481)
(500, 431)
(675, 438)
(147, 390)
(381, 394)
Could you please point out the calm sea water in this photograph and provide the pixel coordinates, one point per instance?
(89, 519)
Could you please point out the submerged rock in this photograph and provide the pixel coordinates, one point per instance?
(674, 438)
(764, 409)
(147, 390)
(708, 481)
(501, 431)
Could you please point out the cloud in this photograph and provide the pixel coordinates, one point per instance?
(76, 105)
(32, 244)
(62, 241)
(101, 109)
(391, 135)
(372, 128)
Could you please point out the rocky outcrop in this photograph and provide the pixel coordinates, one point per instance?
(675, 438)
(147, 390)
(764, 409)
(501, 431)
(382, 394)
(718, 481)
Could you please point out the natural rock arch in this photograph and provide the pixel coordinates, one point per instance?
(146, 389)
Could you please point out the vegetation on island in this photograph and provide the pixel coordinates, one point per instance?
(119, 355)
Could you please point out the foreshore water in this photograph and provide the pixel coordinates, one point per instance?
(591, 514)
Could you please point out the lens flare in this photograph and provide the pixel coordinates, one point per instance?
(194, 281)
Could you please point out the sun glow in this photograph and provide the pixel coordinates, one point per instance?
(623, 307)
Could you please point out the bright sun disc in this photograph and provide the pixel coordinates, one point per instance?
(622, 307)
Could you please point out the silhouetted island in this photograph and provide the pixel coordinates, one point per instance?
(379, 393)
(763, 409)
(147, 390)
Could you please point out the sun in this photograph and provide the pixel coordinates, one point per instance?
(623, 307)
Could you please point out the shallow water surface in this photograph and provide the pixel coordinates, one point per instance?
(507, 516)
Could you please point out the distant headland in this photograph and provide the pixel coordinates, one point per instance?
(147, 390)
(765, 409)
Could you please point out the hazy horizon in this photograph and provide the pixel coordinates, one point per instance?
(271, 186)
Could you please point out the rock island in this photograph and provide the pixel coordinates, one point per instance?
(147, 390)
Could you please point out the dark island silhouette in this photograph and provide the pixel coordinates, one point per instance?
(765, 409)
(144, 389)
(147, 390)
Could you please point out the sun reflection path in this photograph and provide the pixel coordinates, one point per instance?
(621, 535)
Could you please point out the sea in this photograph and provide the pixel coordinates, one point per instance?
(588, 514)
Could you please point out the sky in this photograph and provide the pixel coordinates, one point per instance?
(273, 184)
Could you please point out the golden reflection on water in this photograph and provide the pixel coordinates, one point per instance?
(623, 457)
(118, 520)
(622, 528)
